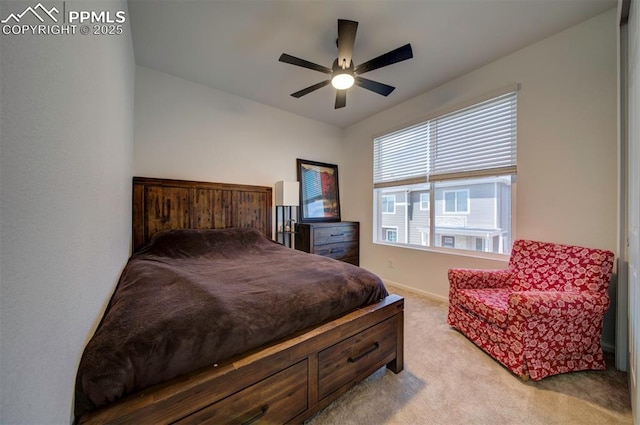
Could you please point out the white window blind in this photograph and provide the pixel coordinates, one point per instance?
(402, 157)
(478, 140)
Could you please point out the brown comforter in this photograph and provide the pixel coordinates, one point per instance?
(192, 298)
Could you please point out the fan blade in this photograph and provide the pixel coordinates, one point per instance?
(310, 88)
(374, 86)
(303, 63)
(346, 40)
(341, 99)
(398, 55)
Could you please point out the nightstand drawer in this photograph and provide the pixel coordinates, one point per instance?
(351, 260)
(337, 250)
(274, 400)
(359, 355)
(337, 240)
(329, 235)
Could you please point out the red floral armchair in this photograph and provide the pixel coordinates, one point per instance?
(543, 314)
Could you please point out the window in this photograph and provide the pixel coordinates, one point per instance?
(455, 171)
(456, 201)
(388, 204)
(424, 238)
(449, 241)
(424, 202)
(390, 234)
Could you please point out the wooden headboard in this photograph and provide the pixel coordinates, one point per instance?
(161, 204)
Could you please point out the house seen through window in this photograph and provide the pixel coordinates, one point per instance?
(447, 181)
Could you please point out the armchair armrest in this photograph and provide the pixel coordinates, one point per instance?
(528, 304)
(479, 278)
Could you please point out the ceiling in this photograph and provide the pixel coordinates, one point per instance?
(234, 45)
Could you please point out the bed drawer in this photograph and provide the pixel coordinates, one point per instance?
(276, 399)
(359, 355)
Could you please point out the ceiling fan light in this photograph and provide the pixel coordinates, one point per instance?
(342, 81)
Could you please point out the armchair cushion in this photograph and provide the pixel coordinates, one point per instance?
(489, 304)
(540, 316)
(569, 305)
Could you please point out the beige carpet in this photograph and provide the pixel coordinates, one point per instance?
(448, 380)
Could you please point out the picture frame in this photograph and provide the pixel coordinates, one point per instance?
(319, 192)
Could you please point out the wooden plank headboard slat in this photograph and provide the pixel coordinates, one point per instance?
(163, 204)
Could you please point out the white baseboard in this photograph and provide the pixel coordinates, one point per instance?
(417, 291)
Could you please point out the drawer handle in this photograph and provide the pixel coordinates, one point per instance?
(333, 251)
(337, 234)
(371, 349)
(261, 413)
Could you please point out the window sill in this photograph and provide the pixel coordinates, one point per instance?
(450, 251)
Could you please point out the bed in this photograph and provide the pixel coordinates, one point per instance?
(177, 343)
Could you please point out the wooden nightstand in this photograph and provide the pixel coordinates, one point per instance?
(338, 240)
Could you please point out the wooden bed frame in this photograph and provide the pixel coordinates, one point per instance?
(286, 381)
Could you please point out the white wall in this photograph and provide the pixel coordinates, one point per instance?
(67, 128)
(185, 130)
(566, 189)
(631, 141)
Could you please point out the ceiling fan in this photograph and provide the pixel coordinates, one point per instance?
(343, 72)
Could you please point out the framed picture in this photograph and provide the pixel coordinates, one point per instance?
(319, 196)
